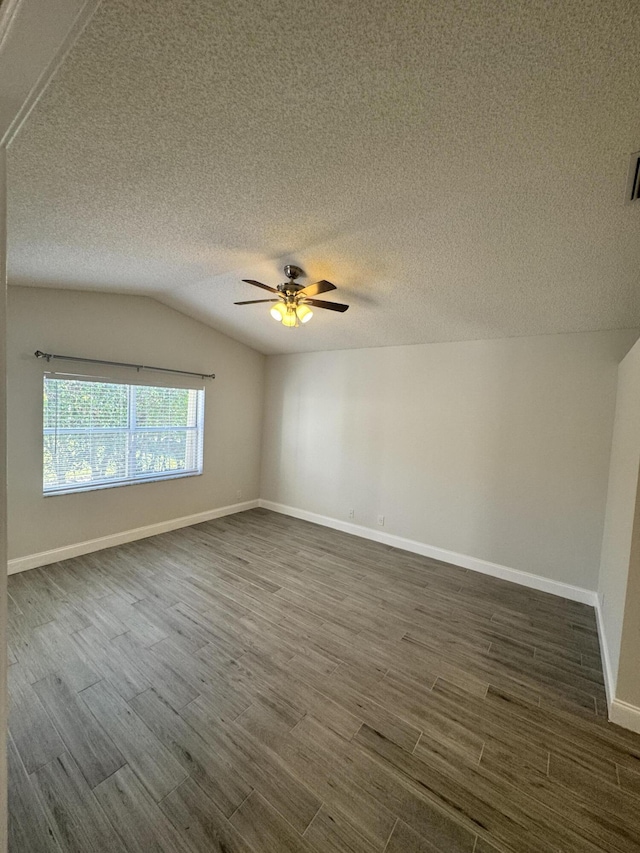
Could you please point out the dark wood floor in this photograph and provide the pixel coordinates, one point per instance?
(262, 684)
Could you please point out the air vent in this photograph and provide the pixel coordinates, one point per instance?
(633, 182)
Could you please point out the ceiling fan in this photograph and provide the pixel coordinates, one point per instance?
(293, 305)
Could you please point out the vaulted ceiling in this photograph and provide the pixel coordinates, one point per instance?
(456, 167)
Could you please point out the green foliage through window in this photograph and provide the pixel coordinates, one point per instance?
(99, 433)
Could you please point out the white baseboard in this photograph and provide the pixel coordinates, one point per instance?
(574, 593)
(625, 715)
(45, 558)
(66, 552)
(620, 712)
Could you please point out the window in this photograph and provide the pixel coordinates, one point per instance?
(100, 434)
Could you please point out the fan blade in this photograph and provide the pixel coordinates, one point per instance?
(255, 301)
(318, 287)
(260, 284)
(332, 306)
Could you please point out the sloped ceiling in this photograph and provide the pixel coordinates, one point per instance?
(456, 167)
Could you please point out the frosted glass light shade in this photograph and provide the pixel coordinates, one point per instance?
(304, 313)
(278, 311)
(289, 318)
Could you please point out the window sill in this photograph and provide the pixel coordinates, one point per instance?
(95, 487)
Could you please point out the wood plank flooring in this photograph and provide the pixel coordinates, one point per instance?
(259, 684)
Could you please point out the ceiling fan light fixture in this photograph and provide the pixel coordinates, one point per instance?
(278, 311)
(304, 313)
(292, 305)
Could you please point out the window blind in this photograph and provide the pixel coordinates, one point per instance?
(99, 434)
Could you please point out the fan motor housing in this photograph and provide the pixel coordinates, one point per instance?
(291, 287)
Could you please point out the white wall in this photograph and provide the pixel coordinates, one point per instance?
(132, 329)
(621, 502)
(628, 683)
(620, 604)
(494, 449)
(3, 503)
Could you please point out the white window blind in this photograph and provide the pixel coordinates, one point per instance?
(99, 434)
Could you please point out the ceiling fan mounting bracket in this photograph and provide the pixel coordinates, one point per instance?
(292, 271)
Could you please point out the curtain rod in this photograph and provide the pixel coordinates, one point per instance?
(50, 355)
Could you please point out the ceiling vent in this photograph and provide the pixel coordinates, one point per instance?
(633, 181)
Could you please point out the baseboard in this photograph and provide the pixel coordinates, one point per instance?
(45, 558)
(620, 712)
(66, 552)
(607, 669)
(574, 593)
(625, 715)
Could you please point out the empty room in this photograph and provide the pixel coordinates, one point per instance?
(321, 420)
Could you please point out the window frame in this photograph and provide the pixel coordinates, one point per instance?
(130, 430)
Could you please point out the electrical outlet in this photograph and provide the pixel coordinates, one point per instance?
(352, 513)
(239, 494)
(381, 520)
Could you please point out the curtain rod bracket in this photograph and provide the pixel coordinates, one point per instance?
(49, 355)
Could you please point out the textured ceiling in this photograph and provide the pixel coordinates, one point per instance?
(456, 167)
